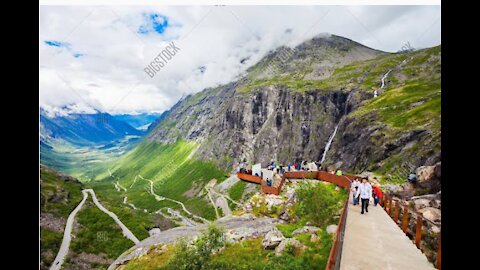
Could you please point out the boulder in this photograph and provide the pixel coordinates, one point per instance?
(306, 229)
(431, 214)
(288, 242)
(332, 228)
(421, 203)
(425, 173)
(314, 237)
(435, 229)
(284, 215)
(438, 170)
(248, 207)
(273, 200)
(272, 239)
(391, 188)
(154, 231)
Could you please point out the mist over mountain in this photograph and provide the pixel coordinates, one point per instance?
(289, 104)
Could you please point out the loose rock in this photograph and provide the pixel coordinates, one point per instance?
(272, 239)
(286, 242)
(332, 228)
(306, 229)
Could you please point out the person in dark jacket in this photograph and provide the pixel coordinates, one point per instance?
(412, 178)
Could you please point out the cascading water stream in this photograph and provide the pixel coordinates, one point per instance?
(330, 140)
(383, 79)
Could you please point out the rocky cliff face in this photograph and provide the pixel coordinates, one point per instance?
(271, 123)
(288, 116)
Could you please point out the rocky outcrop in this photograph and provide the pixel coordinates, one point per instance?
(288, 242)
(236, 228)
(154, 231)
(428, 182)
(269, 121)
(332, 228)
(52, 223)
(289, 115)
(272, 239)
(306, 229)
(431, 214)
(430, 177)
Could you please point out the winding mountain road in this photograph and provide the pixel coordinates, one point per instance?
(161, 198)
(67, 235)
(126, 232)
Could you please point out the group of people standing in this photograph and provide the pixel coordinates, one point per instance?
(363, 192)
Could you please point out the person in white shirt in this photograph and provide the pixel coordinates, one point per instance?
(354, 189)
(365, 192)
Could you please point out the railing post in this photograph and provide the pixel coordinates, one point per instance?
(397, 209)
(390, 207)
(405, 218)
(439, 253)
(418, 232)
(385, 199)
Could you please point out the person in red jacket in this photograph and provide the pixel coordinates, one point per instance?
(376, 194)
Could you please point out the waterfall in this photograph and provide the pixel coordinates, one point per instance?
(330, 140)
(383, 79)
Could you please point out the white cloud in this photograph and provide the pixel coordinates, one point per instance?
(109, 76)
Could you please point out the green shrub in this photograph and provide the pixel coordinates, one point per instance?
(197, 256)
(319, 203)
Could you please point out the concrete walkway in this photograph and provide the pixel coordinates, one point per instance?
(373, 241)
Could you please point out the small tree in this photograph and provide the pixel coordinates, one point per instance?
(318, 203)
(196, 256)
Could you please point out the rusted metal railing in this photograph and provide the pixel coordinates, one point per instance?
(439, 253)
(336, 250)
(343, 181)
(387, 203)
(249, 178)
(405, 219)
(418, 231)
(395, 216)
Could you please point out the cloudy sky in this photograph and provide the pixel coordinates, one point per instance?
(94, 57)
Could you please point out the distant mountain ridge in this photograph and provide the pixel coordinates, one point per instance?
(84, 129)
(139, 121)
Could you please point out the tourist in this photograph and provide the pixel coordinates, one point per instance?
(377, 194)
(269, 182)
(319, 165)
(412, 178)
(354, 189)
(374, 196)
(288, 166)
(365, 193)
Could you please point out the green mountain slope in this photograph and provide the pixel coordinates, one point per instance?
(285, 116)
(172, 173)
(59, 195)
